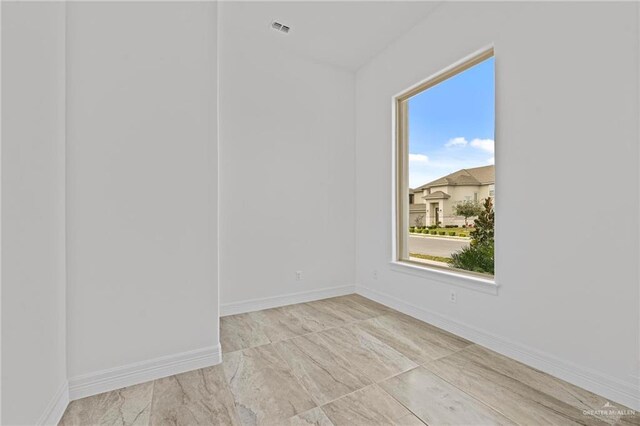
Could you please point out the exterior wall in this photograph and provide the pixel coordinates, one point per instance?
(417, 211)
(431, 213)
(450, 218)
(417, 197)
(484, 191)
(458, 194)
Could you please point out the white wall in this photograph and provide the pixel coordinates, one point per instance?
(142, 182)
(33, 210)
(286, 138)
(567, 112)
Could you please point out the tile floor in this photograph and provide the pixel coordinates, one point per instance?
(347, 361)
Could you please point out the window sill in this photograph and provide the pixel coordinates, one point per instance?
(481, 285)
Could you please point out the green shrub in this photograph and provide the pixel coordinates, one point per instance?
(412, 229)
(433, 226)
(424, 231)
(452, 233)
(442, 233)
(462, 234)
(434, 232)
(476, 258)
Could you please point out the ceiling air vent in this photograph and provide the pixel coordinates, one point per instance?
(279, 27)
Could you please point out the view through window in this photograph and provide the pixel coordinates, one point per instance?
(446, 169)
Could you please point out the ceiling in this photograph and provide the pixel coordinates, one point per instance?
(346, 34)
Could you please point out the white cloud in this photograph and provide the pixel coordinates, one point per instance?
(456, 142)
(491, 160)
(483, 144)
(418, 158)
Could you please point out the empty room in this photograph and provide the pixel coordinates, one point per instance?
(324, 213)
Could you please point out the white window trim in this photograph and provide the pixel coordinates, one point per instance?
(442, 276)
(449, 277)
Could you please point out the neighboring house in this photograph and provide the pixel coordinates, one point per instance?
(435, 200)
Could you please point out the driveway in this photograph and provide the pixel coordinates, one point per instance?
(435, 246)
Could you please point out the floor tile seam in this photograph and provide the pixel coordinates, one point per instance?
(448, 355)
(289, 368)
(446, 347)
(400, 402)
(227, 389)
(347, 361)
(394, 349)
(320, 331)
(261, 326)
(513, 376)
(413, 359)
(327, 343)
(491, 408)
(153, 396)
(325, 413)
(244, 349)
(295, 377)
(485, 366)
(530, 388)
(399, 373)
(373, 380)
(509, 377)
(341, 396)
(347, 394)
(437, 330)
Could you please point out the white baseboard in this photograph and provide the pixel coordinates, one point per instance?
(54, 411)
(140, 372)
(283, 300)
(616, 390)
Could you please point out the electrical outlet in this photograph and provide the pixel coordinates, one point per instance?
(375, 274)
(298, 275)
(453, 298)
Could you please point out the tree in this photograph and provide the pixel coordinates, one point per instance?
(479, 255)
(419, 221)
(467, 209)
(484, 224)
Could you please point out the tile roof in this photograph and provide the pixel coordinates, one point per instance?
(475, 176)
(437, 195)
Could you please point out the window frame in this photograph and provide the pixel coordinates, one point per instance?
(401, 172)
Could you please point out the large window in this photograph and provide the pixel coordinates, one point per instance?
(445, 145)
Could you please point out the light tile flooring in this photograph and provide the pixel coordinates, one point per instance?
(347, 361)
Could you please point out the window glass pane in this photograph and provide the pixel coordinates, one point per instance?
(451, 171)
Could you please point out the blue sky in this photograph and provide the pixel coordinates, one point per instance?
(451, 125)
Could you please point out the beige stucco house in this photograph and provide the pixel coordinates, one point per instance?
(434, 202)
